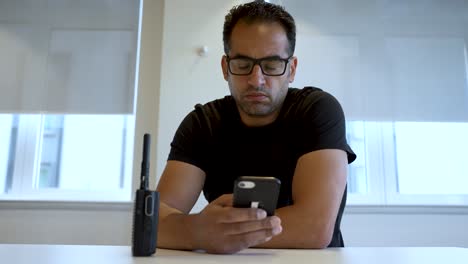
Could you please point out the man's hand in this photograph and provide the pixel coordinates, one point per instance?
(221, 229)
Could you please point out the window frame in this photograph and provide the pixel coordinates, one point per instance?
(383, 183)
(27, 163)
(393, 197)
(374, 166)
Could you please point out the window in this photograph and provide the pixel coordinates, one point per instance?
(366, 175)
(67, 93)
(77, 157)
(8, 128)
(417, 148)
(402, 81)
(412, 163)
(430, 163)
(357, 174)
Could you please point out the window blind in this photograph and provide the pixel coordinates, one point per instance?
(68, 56)
(386, 60)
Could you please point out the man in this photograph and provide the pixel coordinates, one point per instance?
(263, 129)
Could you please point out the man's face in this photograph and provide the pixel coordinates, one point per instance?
(259, 97)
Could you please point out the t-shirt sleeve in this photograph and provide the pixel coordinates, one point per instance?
(186, 145)
(325, 126)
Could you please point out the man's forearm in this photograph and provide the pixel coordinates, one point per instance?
(318, 187)
(174, 229)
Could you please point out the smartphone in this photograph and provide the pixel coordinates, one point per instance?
(257, 192)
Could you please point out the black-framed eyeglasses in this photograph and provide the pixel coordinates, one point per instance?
(271, 66)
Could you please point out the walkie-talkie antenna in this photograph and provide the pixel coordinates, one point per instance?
(145, 164)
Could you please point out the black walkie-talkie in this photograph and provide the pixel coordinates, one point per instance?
(145, 214)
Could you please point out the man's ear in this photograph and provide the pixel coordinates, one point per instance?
(292, 69)
(224, 67)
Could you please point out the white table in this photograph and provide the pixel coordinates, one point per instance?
(68, 254)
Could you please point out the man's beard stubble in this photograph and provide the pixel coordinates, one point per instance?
(259, 109)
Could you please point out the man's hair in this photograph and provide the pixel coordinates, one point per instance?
(259, 12)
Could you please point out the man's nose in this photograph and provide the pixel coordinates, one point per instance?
(256, 77)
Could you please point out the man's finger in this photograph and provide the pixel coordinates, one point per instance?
(233, 215)
(224, 200)
(254, 238)
(252, 226)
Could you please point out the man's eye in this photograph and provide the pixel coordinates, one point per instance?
(243, 66)
(270, 68)
(272, 65)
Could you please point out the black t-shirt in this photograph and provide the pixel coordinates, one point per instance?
(213, 138)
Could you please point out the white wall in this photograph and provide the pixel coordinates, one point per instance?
(33, 223)
(111, 225)
(415, 226)
(172, 88)
(186, 77)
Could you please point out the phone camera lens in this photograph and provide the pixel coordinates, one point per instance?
(246, 184)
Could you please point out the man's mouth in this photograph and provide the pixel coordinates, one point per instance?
(256, 96)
